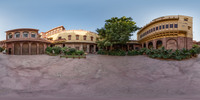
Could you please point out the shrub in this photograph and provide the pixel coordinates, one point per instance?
(102, 52)
(79, 52)
(56, 49)
(117, 53)
(48, 50)
(1, 49)
(71, 51)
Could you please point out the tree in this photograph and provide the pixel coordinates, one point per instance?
(116, 31)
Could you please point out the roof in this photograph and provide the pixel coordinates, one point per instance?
(23, 29)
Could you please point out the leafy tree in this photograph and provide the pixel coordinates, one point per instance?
(116, 31)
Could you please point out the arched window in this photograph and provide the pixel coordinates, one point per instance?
(84, 37)
(33, 35)
(25, 34)
(9, 35)
(69, 37)
(17, 35)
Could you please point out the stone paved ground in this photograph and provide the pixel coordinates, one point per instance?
(98, 77)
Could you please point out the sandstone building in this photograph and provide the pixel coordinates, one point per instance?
(25, 41)
(79, 39)
(171, 32)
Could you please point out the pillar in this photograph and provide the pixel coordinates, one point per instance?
(45, 46)
(81, 48)
(154, 44)
(37, 48)
(21, 48)
(164, 43)
(94, 48)
(29, 47)
(128, 47)
(13, 48)
(88, 48)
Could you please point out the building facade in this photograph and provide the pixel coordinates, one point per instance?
(25, 41)
(171, 32)
(78, 39)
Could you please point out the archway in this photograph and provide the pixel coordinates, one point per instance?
(144, 45)
(41, 49)
(158, 44)
(34, 49)
(25, 49)
(172, 44)
(150, 45)
(17, 48)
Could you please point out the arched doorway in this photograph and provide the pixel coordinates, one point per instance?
(41, 49)
(25, 49)
(172, 44)
(33, 48)
(144, 45)
(158, 44)
(17, 48)
(150, 45)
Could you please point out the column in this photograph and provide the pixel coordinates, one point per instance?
(147, 45)
(21, 48)
(164, 43)
(154, 44)
(81, 48)
(45, 46)
(88, 48)
(128, 47)
(94, 48)
(37, 48)
(13, 48)
(29, 47)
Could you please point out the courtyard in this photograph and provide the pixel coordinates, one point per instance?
(98, 77)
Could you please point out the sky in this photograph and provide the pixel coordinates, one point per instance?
(90, 14)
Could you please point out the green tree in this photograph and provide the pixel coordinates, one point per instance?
(116, 31)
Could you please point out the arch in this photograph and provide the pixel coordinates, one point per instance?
(159, 44)
(172, 44)
(150, 45)
(17, 34)
(25, 49)
(41, 49)
(144, 45)
(25, 34)
(17, 49)
(33, 48)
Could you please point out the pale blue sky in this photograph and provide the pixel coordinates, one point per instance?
(90, 14)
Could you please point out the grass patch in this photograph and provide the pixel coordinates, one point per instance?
(73, 56)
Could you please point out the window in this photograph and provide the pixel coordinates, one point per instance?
(189, 27)
(163, 26)
(69, 37)
(10, 36)
(84, 37)
(159, 27)
(175, 25)
(171, 25)
(77, 37)
(63, 45)
(167, 26)
(91, 38)
(17, 35)
(33, 35)
(185, 19)
(25, 34)
(156, 28)
(59, 38)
